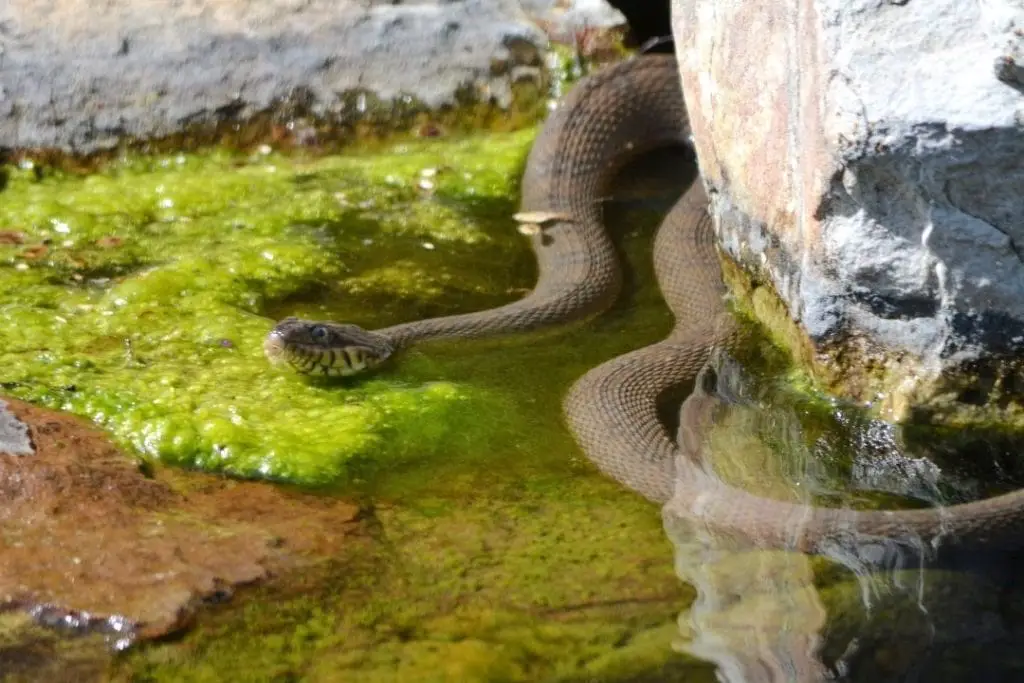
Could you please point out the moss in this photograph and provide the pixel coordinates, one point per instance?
(519, 587)
(360, 119)
(788, 438)
(138, 297)
(976, 395)
(502, 554)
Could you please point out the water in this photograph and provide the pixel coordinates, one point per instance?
(494, 551)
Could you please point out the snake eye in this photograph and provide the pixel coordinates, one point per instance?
(319, 333)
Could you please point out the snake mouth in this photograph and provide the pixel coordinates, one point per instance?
(312, 359)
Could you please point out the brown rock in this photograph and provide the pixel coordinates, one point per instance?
(89, 540)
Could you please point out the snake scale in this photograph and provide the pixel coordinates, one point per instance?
(609, 117)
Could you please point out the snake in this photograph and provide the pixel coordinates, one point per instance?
(609, 117)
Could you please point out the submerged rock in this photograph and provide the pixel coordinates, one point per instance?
(13, 434)
(865, 161)
(31, 652)
(93, 544)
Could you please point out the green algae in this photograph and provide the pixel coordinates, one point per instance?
(138, 298)
(513, 588)
(500, 554)
(504, 558)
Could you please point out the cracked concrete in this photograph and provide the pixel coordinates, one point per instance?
(83, 76)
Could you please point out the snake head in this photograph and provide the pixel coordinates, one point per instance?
(324, 348)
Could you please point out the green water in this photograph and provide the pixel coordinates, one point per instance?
(497, 552)
(159, 267)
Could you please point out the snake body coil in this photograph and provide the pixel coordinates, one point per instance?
(607, 118)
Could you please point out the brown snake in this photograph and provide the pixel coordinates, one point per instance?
(607, 118)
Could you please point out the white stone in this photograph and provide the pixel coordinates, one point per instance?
(14, 437)
(871, 154)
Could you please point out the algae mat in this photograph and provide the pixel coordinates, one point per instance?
(139, 296)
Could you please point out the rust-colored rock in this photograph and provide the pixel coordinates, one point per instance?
(89, 539)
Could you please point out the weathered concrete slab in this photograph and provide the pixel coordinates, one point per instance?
(867, 160)
(80, 76)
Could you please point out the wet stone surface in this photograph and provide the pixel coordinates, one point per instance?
(91, 543)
